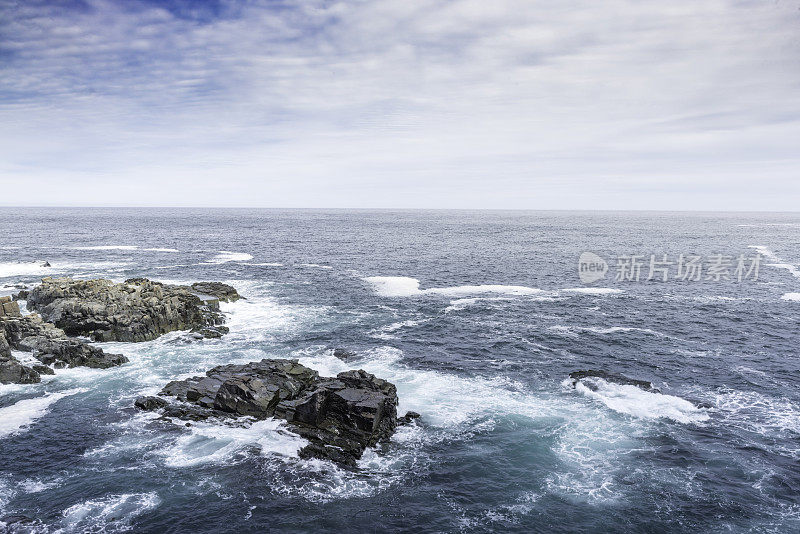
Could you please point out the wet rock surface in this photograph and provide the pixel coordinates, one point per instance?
(611, 377)
(135, 310)
(340, 416)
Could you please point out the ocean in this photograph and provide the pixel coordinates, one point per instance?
(478, 317)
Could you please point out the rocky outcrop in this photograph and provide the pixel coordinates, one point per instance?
(218, 290)
(136, 310)
(340, 417)
(610, 377)
(51, 346)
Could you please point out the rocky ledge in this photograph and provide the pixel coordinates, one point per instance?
(135, 310)
(47, 343)
(340, 417)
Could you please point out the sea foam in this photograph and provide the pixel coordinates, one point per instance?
(405, 286)
(225, 256)
(18, 417)
(634, 401)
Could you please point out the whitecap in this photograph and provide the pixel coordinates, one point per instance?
(19, 268)
(225, 256)
(96, 515)
(18, 417)
(574, 331)
(461, 304)
(593, 290)
(314, 265)
(795, 297)
(405, 286)
(107, 247)
(635, 401)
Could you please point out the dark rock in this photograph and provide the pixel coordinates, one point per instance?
(22, 295)
(51, 346)
(136, 310)
(340, 417)
(211, 332)
(46, 264)
(13, 372)
(14, 520)
(43, 369)
(408, 418)
(344, 354)
(149, 404)
(218, 290)
(611, 377)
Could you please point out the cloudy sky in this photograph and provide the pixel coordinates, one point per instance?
(569, 104)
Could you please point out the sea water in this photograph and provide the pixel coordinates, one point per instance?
(478, 318)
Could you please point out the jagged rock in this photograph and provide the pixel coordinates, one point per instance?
(211, 332)
(13, 372)
(9, 308)
(22, 295)
(340, 416)
(408, 418)
(611, 377)
(344, 354)
(43, 369)
(218, 290)
(136, 310)
(150, 403)
(51, 346)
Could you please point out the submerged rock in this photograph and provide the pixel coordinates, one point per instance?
(344, 354)
(136, 310)
(340, 417)
(611, 377)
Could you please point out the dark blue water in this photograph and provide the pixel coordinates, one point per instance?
(505, 443)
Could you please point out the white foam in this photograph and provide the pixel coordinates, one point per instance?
(461, 304)
(764, 251)
(226, 256)
(215, 443)
(17, 268)
(593, 290)
(404, 286)
(386, 332)
(794, 297)
(36, 485)
(573, 331)
(778, 263)
(268, 264)
(18, 417)
(107, 247)
(97, 515)
(634, 401)
(787, 266)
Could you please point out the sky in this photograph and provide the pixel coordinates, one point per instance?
(509, 104)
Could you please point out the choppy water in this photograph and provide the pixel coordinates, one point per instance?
(505, 444)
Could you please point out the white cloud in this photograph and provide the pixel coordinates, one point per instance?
(422, 103)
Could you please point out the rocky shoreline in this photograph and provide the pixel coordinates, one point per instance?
(339, 416)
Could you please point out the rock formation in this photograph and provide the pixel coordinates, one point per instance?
(136, 310)
(340, 417)
(47, 343)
